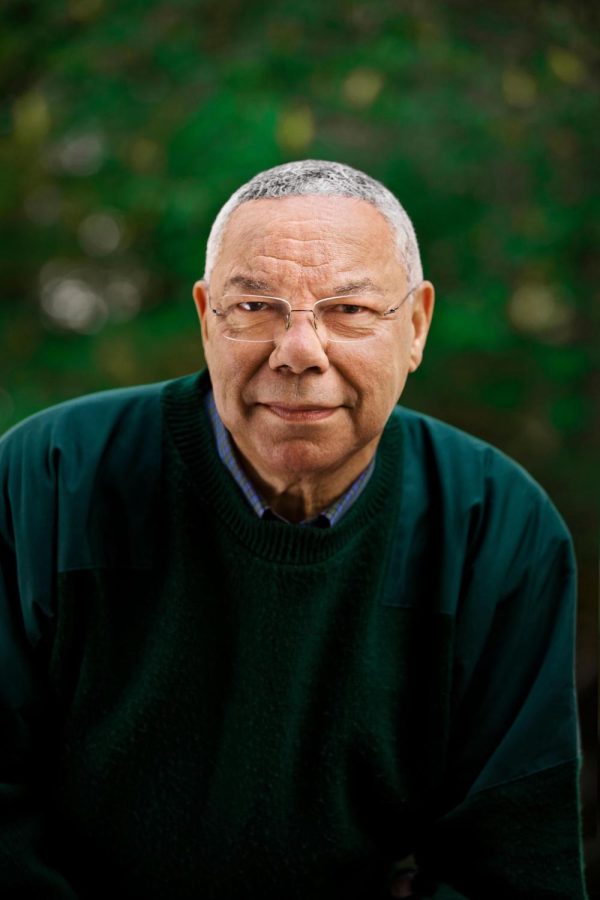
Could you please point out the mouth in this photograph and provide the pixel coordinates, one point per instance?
(301, 413)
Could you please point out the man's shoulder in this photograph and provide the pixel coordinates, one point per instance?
(467, 478)
(85, 468)
(479, 514)
(109, 429)
(89, 416)
(458, 453)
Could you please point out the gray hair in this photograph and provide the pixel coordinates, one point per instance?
(316, 177)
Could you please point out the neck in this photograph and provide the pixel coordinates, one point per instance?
(297, 497)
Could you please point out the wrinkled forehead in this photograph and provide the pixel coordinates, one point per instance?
(312, 240)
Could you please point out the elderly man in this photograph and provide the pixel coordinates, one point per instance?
(266, 633)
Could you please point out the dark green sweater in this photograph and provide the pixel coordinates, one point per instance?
(197, 703)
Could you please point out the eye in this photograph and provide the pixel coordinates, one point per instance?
(349, 308)
(346, 306)
(254, 306)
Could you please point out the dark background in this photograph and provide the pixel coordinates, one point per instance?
(125, 126)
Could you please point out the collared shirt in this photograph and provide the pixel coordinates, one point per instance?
(226, 451)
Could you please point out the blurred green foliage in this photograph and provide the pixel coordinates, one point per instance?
(125, 126)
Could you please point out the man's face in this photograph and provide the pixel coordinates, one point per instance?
(303, 409)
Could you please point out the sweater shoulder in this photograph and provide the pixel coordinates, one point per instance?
(81, 471)
(470, 516)
(85, 420)
(477, 494)
(463, 463)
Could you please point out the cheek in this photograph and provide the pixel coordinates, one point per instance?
(380, 373)
(231, 372)
(384, 386)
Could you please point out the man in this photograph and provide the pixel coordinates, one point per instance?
(265, 632)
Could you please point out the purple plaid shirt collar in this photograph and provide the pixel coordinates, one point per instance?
(226, 451)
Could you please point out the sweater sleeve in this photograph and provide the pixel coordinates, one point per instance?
(26, 549)
(508, 821)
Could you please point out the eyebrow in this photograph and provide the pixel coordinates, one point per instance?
(355, 287)
(247, 283)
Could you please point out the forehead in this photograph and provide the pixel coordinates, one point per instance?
(309, 238)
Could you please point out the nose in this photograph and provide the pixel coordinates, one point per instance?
(300, 347)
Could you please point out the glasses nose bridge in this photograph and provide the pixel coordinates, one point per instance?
(287, 314)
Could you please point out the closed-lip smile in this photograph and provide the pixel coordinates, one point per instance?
(303, 413)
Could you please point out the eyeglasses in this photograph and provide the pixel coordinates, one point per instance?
(262, 320)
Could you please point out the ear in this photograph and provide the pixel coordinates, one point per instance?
(200, 294)
(421, 314)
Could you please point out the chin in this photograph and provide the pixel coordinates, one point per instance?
(297, 457)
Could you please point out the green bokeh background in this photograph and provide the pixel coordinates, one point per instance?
(125, 126)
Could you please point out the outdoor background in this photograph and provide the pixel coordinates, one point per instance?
(125, 126)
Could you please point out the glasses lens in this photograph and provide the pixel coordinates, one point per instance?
(348, 318)
(254, 319)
